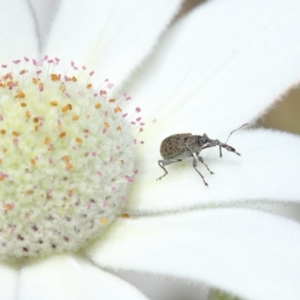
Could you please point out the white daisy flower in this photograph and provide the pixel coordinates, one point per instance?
(74, 207)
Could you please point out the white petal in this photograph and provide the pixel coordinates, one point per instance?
(66, 277)
(111, 37)
(18, 35)
(43, 12)
(8, 281)
(221, 65)
(251, 254)
(268, 170)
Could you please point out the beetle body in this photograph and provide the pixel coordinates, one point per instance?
(180, 146)
(174, 146)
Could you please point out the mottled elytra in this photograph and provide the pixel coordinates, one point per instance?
(178, 147)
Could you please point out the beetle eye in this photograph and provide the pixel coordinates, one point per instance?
(202, 141)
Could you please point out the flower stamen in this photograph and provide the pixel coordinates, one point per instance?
(60, 158)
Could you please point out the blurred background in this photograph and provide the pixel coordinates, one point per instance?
(285, 116)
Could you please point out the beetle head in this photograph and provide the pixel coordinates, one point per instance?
(205, 142)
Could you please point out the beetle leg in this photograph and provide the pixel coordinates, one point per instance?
(165, 162)
(195, 165)
(202, 161)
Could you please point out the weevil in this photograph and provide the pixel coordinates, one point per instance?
(178, 147)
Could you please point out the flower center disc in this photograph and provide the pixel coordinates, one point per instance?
(66, 158)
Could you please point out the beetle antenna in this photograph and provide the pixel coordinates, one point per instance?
(230, 136)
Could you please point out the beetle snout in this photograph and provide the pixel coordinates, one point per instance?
(229, 148)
